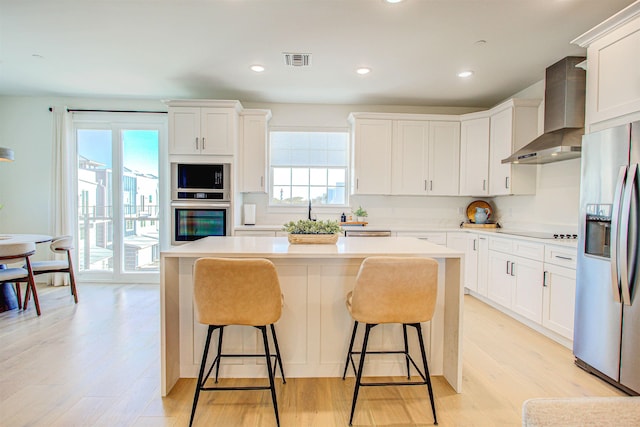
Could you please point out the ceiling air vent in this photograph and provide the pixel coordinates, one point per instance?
(297, 59)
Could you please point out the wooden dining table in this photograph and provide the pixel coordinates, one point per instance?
(8, 299)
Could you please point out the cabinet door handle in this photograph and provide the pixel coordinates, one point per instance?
(196, 142)
(261, 181)
(508, 265)
(564, 257)
(513, 264)
(425, 185)
(430, 185)
(474, 244)
(484, 185)
(544, 279)
(506, 182)
(357, 183)
(203, 142)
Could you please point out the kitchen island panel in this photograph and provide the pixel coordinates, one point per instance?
(315, 327)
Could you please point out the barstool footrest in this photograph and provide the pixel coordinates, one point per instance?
(407, 355)
(235, 388)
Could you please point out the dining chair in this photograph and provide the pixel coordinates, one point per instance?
(61, 245)
(14, 253)
(244, 292)
(393, 290)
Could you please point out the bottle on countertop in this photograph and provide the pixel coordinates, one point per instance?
(343, 217)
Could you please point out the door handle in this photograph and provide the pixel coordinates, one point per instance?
(513, 264)
(196, 142)
(624, 234)
(430, 185)
(615, 224)
(544, 279)
(425, 185)
(508, 265)
(474, 244)
(506, 182)
(203, 142)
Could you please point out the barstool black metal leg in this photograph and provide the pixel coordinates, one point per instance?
(426, 372)
(218, 358)
(360, 369)
(278, 358)
(272, 385)
(199, 384)
(353, 337)
(406, 349)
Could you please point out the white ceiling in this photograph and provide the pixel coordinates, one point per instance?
(164, 49)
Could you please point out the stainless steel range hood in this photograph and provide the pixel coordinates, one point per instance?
(564, 95)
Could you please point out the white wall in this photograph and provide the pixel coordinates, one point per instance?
(555, 205)
(26, 127)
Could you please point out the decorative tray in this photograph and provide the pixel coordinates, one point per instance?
(471, 209)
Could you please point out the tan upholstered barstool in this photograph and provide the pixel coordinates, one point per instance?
(237, 292)
(393, 290)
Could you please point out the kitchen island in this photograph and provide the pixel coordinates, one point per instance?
(314, 330)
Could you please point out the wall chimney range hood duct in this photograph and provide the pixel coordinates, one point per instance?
(564, 97)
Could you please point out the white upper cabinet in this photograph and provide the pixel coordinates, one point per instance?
(513, 124)
(613, 61)
(410, 157)
(253, 151)
(444, 158)
(209, 130)
(371, 156)
(404, 154)
(474, 156)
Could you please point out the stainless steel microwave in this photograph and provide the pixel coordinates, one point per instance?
(201, 181)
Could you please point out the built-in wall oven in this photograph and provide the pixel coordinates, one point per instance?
(200, 201)
(192, 221)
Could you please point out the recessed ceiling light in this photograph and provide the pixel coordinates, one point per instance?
(257, 68)
(393, 1)
(465, 74)
(363, 70)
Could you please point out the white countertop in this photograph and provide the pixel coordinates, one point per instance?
(279, 247)
(502, 232)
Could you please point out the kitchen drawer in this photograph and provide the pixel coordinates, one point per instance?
(499, 244)
(525, 249)
(432, 237)
(560, 255)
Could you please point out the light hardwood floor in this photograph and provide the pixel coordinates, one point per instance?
(97, 364)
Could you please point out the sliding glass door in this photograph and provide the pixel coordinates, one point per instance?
(118, 188)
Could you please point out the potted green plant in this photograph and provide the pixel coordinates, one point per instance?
(360, 214)
(308, 231)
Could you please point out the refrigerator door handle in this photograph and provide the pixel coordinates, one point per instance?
(615, 225)
(624, 234)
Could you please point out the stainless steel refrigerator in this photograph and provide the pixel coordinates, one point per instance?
(607, 316)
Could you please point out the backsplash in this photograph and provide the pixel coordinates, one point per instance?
(554, 207)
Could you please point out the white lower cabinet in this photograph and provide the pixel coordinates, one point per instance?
(434, 237)
(483, 265)
(515, 282)
(559, 300)
(532, 280)
(526, 298)
(500, 278)
(467, 243)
